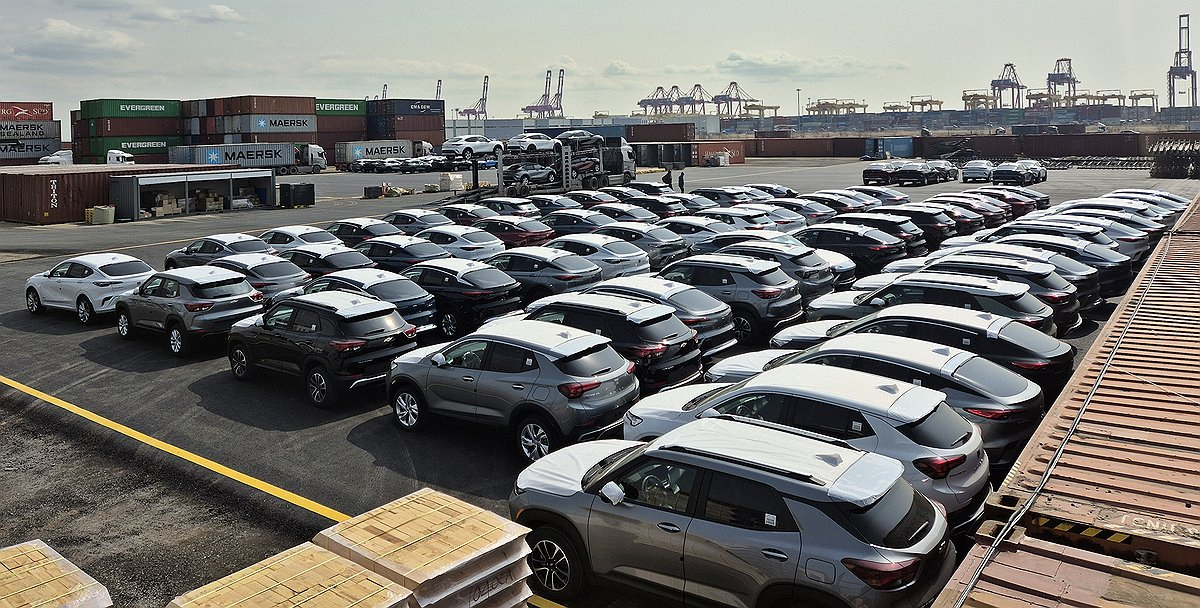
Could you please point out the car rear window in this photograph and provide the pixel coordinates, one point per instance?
(694, 300)
(383, 229)
(480, 237)
(882, 237)
(435, 219)
(573, 263)
(604, 197)
(487, 278)
(222, 289)
(942, 218)
(1069, 265)
(760, 218)
(661, 329)
(591, 362)
(808, 259)
(381, 321)
(621, 248)
(124, 269)
(774, 276)
(786, 214)
(423, 250)
(899, 519)
(943, 428)
(989, 378)
(277, 269)
(909, 227)
(1029, 338)
(815, 207)
(317, 237)
(600, 219)
(1025, 303)
(248, 246)
(1051, 280)
(396, 289)
(663, 234)
(1104, 253)
(533, 226)
(348, 259)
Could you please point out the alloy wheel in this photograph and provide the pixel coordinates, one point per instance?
(742, 328)
(550, 565)
(406, 409)
(317, 388)
(535, 441)
(175, 339)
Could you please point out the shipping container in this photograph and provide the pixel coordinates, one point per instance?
(796, 146)
(849, 147)
(434, 137)
(265, 104)
(130, 108)
(240, 154)
(39, 111)
(346, 152)
(269, 123)
(196, 108)
(269, 138)
(342, 124)
(121, 127)
(701, 150)
(341, 107)
(894, 147)
(996, 146)
(680, 131)
(30, 148)
(1095, 144)
(30, 129)
(384, 107)
(135, 144)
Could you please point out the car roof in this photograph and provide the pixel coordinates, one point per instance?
(621, 206)
(296, 230)
(505, 199)
(884, 397)
(462, 206)
(366, 276)
(360, 221)
(763, 207)
(656, 184)
(633, 310)
(964, 281)
(648, 284)
(512, 219)
(723, 259)
(694, 220)
(344, 303)
(321, 249)
(844, 473)
(772, 246)
(456, 229)
(541, 253)
(1049, 239)
(250, 260)
(1066, 227)
(230, 237)
(597, 240)
(103, 259)
(202, 274)
(457, 266)
(753, 235)
(576, 212)
(400, 240)
(735, 210)
(1023, 264)
(887, 217)
(415, 212)
(636, 226)
(926, 356)
(1017, 250)
(840, 227)
(547, 338)
(937, 313)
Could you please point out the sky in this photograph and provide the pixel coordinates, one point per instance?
(615, 52)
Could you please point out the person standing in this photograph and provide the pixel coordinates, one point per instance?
(667, 179)
(681, 181)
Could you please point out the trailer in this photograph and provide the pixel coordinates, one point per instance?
(284, 158)
(347, 152)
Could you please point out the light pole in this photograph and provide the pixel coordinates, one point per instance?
(798, 103)
(455, 119)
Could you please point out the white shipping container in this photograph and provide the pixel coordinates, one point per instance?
(30, 148)
(349, 151)
(244, 155)
(29, 129)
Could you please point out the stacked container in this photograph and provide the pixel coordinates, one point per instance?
(28, 132)
(145, 128)
(415, 119)
(249, 119)
(340, 120)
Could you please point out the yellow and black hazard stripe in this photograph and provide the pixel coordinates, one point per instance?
(1070, 527)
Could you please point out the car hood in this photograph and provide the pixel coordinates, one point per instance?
(247, 322)
(745, 365)
(837, 261)
(805, 333)
(669, 404)
(836, 300)
(417, 354)
(959, 241)
(561, 471)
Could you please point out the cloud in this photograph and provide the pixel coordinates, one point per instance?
(779, 65)
(148, 11)
(219, 12)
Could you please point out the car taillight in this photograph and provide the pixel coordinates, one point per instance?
(694, 320)
(198, 306)
(768, 293)
(938, 467)
(256, 297)
(105, 283)
(632, 367)
(649, 352)
(475, 294)
(410, 331)
(259, 285)
(880, 247)
(1057, 298)
(566, 277)
(884, 576)
(990, 414)
(1033, 322)
(1129, 239)
(347, 345)
(1031, 365)
(574, 390)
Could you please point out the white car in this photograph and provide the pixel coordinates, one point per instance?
(463, 241)
(290, 237)
(783, 217)
(533, 142)
(695, 229)
(740, 218)
(88, 284)
(468, 146)
(615, 257)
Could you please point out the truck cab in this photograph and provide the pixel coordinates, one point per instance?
(311, 155)
(117, 157)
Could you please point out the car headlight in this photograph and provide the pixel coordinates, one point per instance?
(631, 419)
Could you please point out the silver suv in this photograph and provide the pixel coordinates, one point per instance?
(761, 294)
(550, 384)
(733, 512)
(711, 318)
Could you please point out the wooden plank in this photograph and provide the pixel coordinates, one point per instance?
(32, 575)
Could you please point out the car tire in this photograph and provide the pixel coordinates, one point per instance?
(84, 311)
(745, 325)
(467, 154)
(557, 564)
(240, 363)
(319, 388)
(179, 342)
(536, 437)
(525, 181)
(408, 408)
(169, 265)
(496, 151)
(531, 149)
(450, 324)
(125, 328)
(33, 302)
(551, 177)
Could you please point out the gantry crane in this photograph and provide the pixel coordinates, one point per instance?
(547, 106)
(925, 102)
(438, 94)
(656, 103)
(730, 102)
(1042, 98)
(479, 110)
(1182, 69)
(895, 106)
(979, 99)
(1137, 95)
(694, 101)
(1104, 95)
(1008, 82)
(556, 107)
(1078, 98)
(1064, 76)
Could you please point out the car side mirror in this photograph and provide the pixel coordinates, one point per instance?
(877, 302)
(708, 413)
(438, 359)
(46, 274)
(612, 493)
(258, 322)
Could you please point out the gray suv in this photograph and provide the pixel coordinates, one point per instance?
(801, 262)
(548, 383)
(187, 304)
(543, 271)
(711, 318)
(760, 293)
(733, 512)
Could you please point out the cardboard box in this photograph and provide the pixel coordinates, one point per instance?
(33, 574)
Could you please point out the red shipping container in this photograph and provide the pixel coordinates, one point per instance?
(26, 110)
(772, 134)
(436, 137)
(121, 127)
(269, 104)
(808, 147)
(849, 147)
(701, 150)
(417, 122)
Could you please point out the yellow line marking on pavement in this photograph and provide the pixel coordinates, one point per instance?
(541, 602)
(178, 452)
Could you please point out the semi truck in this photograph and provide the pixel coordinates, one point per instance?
(285, 159)
(67, 157)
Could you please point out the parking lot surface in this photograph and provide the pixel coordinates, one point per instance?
(120, 505)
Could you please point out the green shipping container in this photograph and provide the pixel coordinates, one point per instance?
(130, 108)
(341, 107)
(140, 144)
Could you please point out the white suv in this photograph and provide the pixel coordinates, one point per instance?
(468, 146)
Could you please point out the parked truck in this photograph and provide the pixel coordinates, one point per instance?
(586, 168)
(67, 157)
(283, 158)
(347, 152)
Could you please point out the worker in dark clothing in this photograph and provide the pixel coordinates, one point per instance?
(667, 178)
(681, 181)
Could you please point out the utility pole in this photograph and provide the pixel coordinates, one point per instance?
(798, 102)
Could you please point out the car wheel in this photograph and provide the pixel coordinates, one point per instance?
(551, 177)
(33, 302)
(467, 154)
(556, 563)
(450, 324)
(531, 149)
(85, 311)
(525, 180)
(239, 362)
(178, 340)
(536, 437)
(745, 326)
(319, 387)
(408, 407)
(496, 151)
(169, 265)
(125, 325)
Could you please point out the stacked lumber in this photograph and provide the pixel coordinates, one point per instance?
(32, 574)
(448, 552)
(305, 576)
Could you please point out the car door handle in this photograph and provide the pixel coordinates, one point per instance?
(726, 293)
(668, 527)
(775, 554)
(468, 379)
(518, 387)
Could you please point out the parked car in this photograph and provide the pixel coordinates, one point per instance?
(1039, 172)
(516, 231)
(664, 351)
(621, 192)
(934, 224)
(725, 196)
(692, 202)
(336, 341)
(886, 196)
(756, 195)
(739, 217)
(870, 248)
(1042, 200)
(532, 142)
(467, 292)
(1154, 230)
(543, 271)
(783, 217)
(466, 242)
(591, 198)
(977, 171)
(660, 206)
(898, 226)
(414, 165)
(964, 220)
(1164, 215)
(287, 237)
(917, 174)
(1085, 278)
(356, 230)
(412, 221)
(1115, 270)
(839, 204)
(465, 214)
(570, 382)
(575, 221)
(318, 260)
(651, 188)
(1002, 340)
(993, 215)
(1130, 241)
(1004, 405)
(761, 295)
(399, 251)
(814, 212)
(578, 138)
(469, 146)
(801, 262)
(1086, 234)
(268, 274)
(505, 205)
(624, 212)
(88, 284)
(549, 203)
(204, 250)
(629, 498)
(775, 190)
(882, 173)
(662, 245)
(615, 257)
(1012, 173)
(366, 165)
(530, 173)
(946, 169)
(942, 453)
(845, 271)
(695, 229)
(718, 242)
(187, 304)
(1020, 204)
(711, 318)
(868, 202)
(416, 305)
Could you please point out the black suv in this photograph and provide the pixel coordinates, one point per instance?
(335, 340)
(661, 206)
(467, 292)
(898, 226)
(871, 249)
(935, 225)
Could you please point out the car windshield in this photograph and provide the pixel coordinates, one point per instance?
(382, 229)
(573, 263)
(320, 236)
(1028, 338)
(277, 269)
(773, 276)
(593, 361)
(899, 519)
(348, 259)
(943, 428)
(124, 269)
(533, 226)
(610, 463)
(621, 248)
(396, 289)
(712, 395)
(990, 379)
(786, 239)
(369, 324)
(479, 237)
(694, 300)
(222, 289)
(487, 278)
(663, 234)
(249, 246)
(423, 250)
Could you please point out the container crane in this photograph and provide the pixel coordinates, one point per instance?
(1137, 95)
(1104, 95)
(695, 99)
(895, 106)
(541, 108)
(730, 101)
(479, 110)
(979, 99)
(556, 108)
(1182, 69)
(655, 102)
(1064, 76)
(924, 102)
(438, 94)
(1008, 82)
